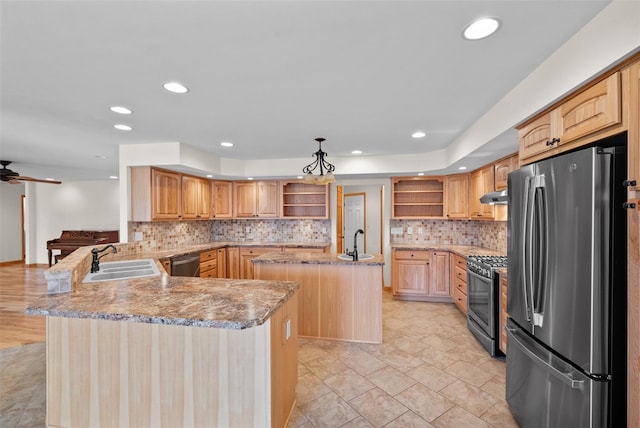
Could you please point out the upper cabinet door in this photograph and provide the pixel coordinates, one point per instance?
(189, 197)
(267, 199)
(593, 109)
(457, 192)
(166, 191)
(535, 136)
(245, 199)
(502, 168)
(222, 196)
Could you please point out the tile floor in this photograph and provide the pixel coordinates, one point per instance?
(428, 372)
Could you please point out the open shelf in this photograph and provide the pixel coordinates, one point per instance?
(418, 197)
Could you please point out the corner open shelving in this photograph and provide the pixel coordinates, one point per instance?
(302, 200)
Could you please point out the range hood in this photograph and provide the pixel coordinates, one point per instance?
(495, 198)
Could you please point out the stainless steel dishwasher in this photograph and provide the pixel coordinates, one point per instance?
(186, 265)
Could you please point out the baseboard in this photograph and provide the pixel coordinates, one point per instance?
(12, 262)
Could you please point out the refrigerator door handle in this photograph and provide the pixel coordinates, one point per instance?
(539, 219)
(526, 226)
(564, 377)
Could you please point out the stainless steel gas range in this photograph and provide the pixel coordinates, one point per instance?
(482, 299)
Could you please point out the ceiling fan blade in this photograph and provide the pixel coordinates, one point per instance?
(38, 180)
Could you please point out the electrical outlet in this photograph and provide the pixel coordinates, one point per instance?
(419, 231)
(409, 230)
(137, 236)
(324, 230)
(247, 229)
(396, 231)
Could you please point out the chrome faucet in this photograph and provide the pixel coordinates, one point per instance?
(354, 253)
(95, 262)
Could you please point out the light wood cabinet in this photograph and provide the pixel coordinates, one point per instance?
(458, 281)
(502, 168)
(420, 275)
(222, 199)
(156, 194)
(457, 195)
(417, 197)
(439, 274)
(303, 200)
(209, 264)
(249, 253)
(481, 181)
(196, 198)
(591, 114)
(503, 315)
(221, 256)
(233, 262)
(256, 199)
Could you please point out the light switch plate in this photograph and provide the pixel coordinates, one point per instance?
(409, 230)
(396, 231)
(137, 236)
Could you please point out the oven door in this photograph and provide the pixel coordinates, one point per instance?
(480, 302)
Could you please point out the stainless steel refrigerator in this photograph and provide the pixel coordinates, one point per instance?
(566, 345)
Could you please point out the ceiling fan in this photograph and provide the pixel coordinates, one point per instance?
(14, 178)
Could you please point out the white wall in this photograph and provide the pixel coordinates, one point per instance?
(90, 205)
(11, 222)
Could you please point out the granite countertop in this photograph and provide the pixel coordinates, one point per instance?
(315, 258)
(220, 303)
(461, 250)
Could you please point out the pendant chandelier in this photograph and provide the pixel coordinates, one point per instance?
(325, 175)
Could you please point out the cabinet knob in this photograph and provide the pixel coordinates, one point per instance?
(629, 183)
(627, 205)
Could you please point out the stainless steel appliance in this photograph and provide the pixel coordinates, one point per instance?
(482, 299)
(186, 265)
(566, 359)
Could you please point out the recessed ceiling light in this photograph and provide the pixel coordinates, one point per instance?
(418, 134)
(209, 175)
(299, 177)
(175, 87)
(462, 168)
(481, 28)
(122, 127)
(249, 178)
(120, 110)
(421, 173)
(356, 152)
(113, 177)
(226, 144)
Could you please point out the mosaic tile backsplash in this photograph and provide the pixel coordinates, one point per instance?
(173, 234)
(489, 234)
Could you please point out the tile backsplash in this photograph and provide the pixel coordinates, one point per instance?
(173, 234)
(489, 234)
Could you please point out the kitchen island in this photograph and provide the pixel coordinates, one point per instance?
(167, 351)
(339, 299)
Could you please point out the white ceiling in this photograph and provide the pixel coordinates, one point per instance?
(269, 76)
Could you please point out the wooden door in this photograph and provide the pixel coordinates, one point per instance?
(475, 192)
(233, 262)
(267, 198)
(439, 274)
(502, 168)
(488, 179)
(222, 262)
(411, 277)
(189, 197)
(457, 193)
(245, 199)
(597, 107)
(204, 198)
(535, 136)
(166, 195)
(222, 199)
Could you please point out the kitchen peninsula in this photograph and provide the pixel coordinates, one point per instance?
(339, 299)
(169, 351)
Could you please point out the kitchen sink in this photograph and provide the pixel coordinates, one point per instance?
(130, 269)
(360, 257)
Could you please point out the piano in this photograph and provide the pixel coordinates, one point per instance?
(70, 240)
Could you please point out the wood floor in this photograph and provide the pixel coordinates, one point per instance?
(19, 286)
